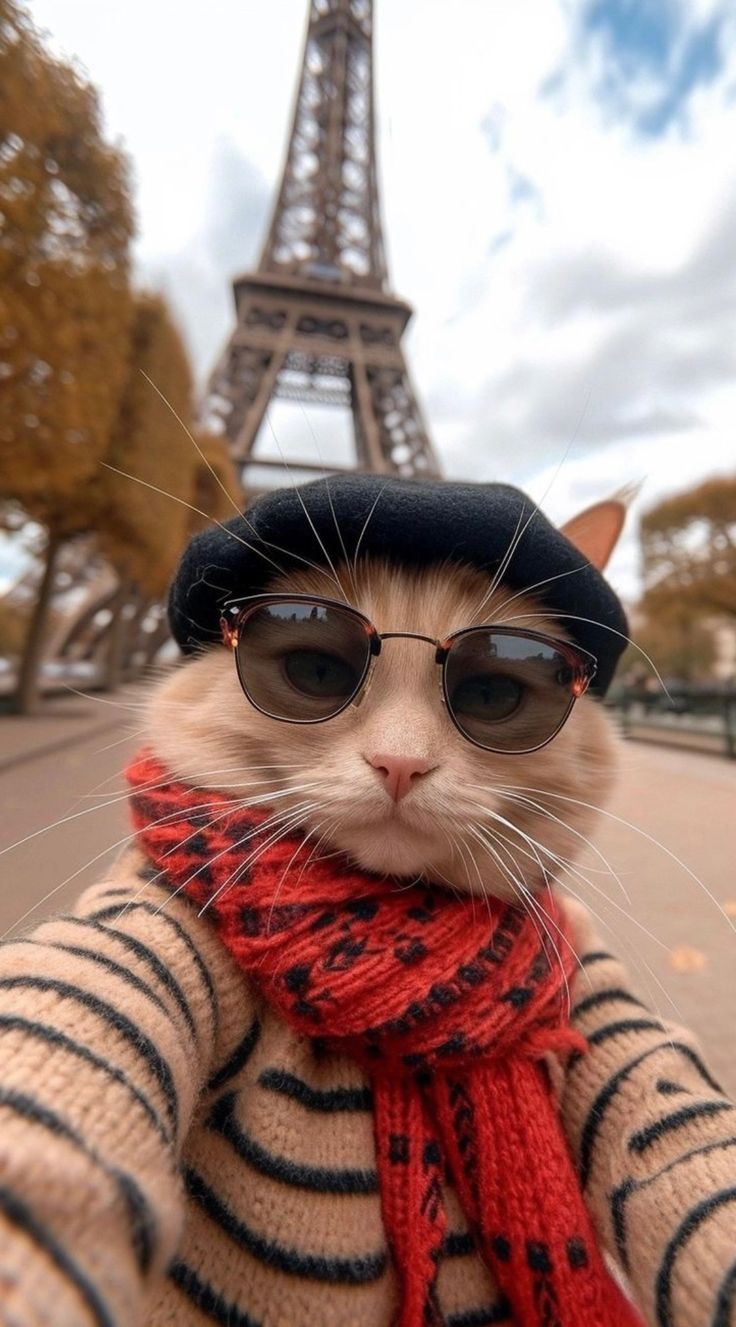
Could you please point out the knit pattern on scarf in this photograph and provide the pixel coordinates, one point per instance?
(449, 1003)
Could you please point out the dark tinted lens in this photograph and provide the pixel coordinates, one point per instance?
(301, 661)
(507, 692)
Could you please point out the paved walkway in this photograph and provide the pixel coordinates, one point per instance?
(685, 800)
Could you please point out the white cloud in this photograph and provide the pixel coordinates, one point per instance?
(568, 273)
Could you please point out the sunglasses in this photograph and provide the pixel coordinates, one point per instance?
(305, 659)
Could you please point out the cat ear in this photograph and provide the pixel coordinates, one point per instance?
(595, 531)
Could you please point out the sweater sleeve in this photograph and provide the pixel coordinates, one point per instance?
(654, 1138)
(111, 1020)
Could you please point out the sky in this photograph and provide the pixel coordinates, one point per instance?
(559, 199)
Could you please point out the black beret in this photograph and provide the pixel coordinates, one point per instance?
(411, 522)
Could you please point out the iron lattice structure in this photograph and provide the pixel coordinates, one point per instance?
(316, 321)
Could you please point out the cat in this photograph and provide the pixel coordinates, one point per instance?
(197, 720)
(209, 1112)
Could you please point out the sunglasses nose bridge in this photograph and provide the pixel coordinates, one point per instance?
(408, 635)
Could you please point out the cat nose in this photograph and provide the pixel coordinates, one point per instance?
(398, 772)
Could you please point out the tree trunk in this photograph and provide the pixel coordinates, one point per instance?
(27, 692)
(157, 638)
(116, 639)
(133, 640)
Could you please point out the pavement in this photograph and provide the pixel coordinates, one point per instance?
(670, 835)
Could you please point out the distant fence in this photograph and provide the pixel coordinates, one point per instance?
(702, 718)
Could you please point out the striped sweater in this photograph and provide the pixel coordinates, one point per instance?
(171, 1153)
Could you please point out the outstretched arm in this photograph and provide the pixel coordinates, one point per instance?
(654, 1138)
(110, 1023)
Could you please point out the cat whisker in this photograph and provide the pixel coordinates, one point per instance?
(491, 851)
(119, 843)
(610, 815)
(536, 508)
(254, 783)
(201, 777)
(534, 855)
(338, 531)
(481, 886)
(329, 827)
(110, 747)
(374, 504)
(243, 804)
(192, 439)
(255, 829)
(630, 949)
(300, 844)
(502, 790)
(576, 617)
(460, 846)
(570, 870)
(183, 503)
(529, 589)
(534, 906)
(533, 909)
(289, 822)
(632, 953)
(295, 488)
(243, 515)
(573, 870)
(101, 700)
(495, 579)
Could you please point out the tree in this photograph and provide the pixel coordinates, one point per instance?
(156, 470)
(681, 646)
(65, 305)
(149, 465)
(689, 552)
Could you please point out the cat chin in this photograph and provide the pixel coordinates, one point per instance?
(386, 851)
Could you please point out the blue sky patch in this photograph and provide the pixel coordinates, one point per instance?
(654, 57)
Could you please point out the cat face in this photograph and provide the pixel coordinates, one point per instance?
(471, 820)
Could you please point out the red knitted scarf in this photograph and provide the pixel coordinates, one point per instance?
(448, 1003)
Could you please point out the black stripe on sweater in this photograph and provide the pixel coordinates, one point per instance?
(239, 1057)
(127, 1029)
(142, 1225)
(699, 1110)
(688, 1227)
(596, 1114)
(606, 997)
(105, 914)
(146, 955)
(482, 1317)
(726, 1299)
(330, 1100)
(109, 963)
(18, 1214)
(53, 1037)
(208, 1300)
(359, 1270)
(623, 1025)
(319, 1179)
(621, 1195)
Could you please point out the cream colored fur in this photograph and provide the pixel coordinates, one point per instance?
(203, 728)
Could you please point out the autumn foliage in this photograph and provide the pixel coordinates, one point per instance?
(64, 275)
(688, 548)
(87, 365)
(689, 551)
(153, 471)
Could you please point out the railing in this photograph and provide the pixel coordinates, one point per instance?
(703, 718)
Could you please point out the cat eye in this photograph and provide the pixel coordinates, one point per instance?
(302, 659)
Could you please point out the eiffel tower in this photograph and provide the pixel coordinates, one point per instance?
(316, 320)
